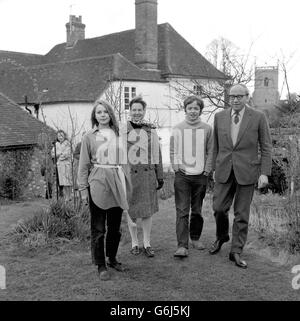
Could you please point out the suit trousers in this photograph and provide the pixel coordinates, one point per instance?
(101, 218)
(189, 194)
(224, 193)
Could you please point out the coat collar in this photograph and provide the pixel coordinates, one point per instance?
(145, 127)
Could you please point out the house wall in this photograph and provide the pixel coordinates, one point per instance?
(164, 108)
(61, 116)
(181, 88)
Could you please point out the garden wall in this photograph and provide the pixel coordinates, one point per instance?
(20, 173)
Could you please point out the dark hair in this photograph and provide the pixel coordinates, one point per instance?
(191, 99)
(137, 100)
(113, 123)
(60, 131)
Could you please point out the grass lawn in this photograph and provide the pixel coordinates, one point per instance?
(66, 273)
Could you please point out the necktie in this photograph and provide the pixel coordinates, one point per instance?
(236, 118)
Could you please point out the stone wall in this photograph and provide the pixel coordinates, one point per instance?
(22, 167)
(36, 186)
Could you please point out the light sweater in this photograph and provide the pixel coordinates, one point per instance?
(191, 147)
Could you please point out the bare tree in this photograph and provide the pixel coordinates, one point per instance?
(74, 133)
(228, 58)
(113, 94)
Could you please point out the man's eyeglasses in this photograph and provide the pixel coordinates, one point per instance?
(239, 97)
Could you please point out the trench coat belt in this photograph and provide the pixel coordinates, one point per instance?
(120, 173)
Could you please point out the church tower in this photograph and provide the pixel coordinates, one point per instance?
(266, 93)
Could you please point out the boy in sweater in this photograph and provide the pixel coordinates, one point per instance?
(191, 148)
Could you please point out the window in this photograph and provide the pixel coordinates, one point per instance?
(126, 97)
(129, 93)
(198, 90)
(133, 92)
(266, 82)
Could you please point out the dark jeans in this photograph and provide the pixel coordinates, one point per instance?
(189, 194)
(222, 200)
(99, 220)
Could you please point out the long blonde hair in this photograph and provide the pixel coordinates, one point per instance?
(113, 123)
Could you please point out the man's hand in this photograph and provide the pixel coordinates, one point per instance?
(84, 196)
(160, 183)
(262, 181)
(206, 173)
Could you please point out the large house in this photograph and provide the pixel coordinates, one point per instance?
(152, 60)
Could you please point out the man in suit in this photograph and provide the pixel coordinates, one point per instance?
(242, 155)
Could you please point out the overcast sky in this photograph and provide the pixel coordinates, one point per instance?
(272, 26)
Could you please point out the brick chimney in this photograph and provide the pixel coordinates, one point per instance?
(146, 46)
(75, 30)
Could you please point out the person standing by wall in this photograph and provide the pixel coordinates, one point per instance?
(63, 163)
(191, 146)
(239, 133)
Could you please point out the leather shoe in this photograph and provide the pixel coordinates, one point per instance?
(235, 257)
(149, 252)
(103, 273)
(135, 250)
(181, 252)
(116, 265)
(216, 247)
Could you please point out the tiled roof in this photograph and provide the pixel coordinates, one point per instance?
(179, 58)
(12, 59)
(75, 80)
(18, 127)
(175, 55)
(81, 73)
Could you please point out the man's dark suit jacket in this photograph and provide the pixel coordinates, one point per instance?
(245, 159)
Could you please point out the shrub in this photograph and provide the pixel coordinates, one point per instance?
(278, 181)
(277, 219)
(60, 221)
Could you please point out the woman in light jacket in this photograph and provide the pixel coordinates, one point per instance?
(104, 183)
(63, 163)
